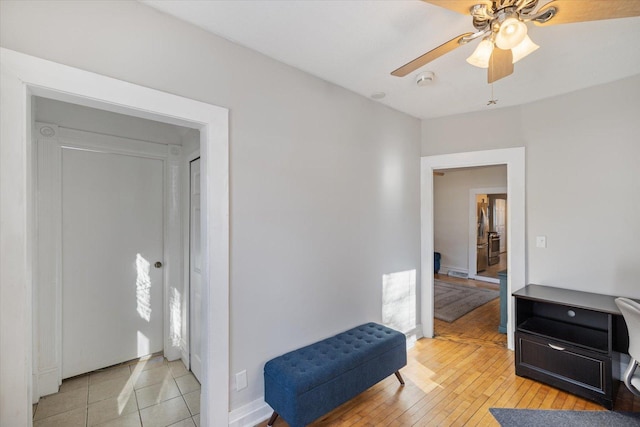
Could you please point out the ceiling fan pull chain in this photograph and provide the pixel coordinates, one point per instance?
(492, 101)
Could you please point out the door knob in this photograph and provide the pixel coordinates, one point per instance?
(158, 264)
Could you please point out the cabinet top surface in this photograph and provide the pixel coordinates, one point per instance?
(579, 299)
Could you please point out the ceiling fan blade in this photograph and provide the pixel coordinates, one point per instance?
(500, 64)
(429, 56)
(569, 11)
(460, 6)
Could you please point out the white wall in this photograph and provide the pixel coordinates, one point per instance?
(324, 183)
(583, 180)
(451, 211)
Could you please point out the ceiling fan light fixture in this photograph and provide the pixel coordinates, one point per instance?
(511, 33)
(480, 56)
(523, 49)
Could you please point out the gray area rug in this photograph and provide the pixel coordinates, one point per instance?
(454, 301)
(536, 418)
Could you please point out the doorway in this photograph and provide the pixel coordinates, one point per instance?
(487, 233)
(109, 240)
(461, 222)
(24, 76)
(496, 238)
(514, 159)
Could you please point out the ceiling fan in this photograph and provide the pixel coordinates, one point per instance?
(502, 26)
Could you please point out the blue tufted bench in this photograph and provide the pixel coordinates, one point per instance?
(305, 384)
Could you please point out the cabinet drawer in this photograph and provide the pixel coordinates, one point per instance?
(573, 366)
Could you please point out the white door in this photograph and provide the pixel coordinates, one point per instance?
(195, 271)
(112, 234)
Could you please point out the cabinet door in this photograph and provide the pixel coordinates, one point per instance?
(578, 371)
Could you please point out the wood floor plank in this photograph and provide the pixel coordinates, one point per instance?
(539, 397)
(526, 399)
(454, 379)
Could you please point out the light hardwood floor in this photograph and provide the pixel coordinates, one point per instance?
(453, 380)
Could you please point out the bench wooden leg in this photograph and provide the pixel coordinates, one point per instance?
(272, 419)
(399, 377)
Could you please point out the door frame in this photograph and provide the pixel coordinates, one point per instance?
(188, 258)
(51, 140)
(514, 159)
(23, 76)
(186, 233)
(473, 247)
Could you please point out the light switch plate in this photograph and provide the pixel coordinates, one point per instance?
(541, 241)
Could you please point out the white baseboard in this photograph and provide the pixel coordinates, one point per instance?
(172, 353)
(485, 279)
(455, 271)
(414, 335)
(48, 382)
(35, 391)
(184, 356)
(250, 414)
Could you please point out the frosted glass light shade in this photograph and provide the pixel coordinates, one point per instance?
(512, 32)
(523, 49)
(480, 56)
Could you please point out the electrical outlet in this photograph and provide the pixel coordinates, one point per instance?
(541, 241)
(241, 380)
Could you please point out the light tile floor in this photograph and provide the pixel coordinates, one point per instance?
(149, 392)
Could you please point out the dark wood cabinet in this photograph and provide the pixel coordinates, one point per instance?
(567, 339)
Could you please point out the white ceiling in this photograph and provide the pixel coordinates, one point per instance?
(356, 44)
